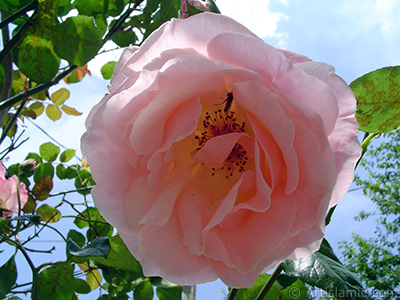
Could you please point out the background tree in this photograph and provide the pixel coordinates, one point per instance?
(376, 260)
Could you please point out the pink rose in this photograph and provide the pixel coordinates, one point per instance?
(217, 155)
(9, 193)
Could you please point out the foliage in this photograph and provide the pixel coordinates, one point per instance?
(376, 259)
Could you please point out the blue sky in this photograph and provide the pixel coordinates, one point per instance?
(355, 37)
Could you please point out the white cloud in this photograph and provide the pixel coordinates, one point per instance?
(254, 14)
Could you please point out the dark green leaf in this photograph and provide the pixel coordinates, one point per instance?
(8, 276)
(143, 291)
(119, 257)
(81, 286)
(56, 282)
(170, 293)
(115, 7)
(124, 38)
(66, 173)
(67, 155)
(48, 213)
(284, 281)
(99, 247)
(107, 70)
(77, 237)
(33, 219)
(91, 7)
(43, 170)
(324, 270)
(378, 99)
(77, 40)
(64, 6)
(49, 152)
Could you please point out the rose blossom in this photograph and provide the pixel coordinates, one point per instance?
(217, 155)
(9, 193)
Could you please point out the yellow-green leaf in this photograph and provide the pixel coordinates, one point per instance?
(70, 111)
(37, 107)
(48, 213)
(60, 96)
(53, 112)
(93, 279)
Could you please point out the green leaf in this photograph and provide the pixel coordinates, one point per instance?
(48, 213)
(66, 173)
(77, 237)
(84, 180)
(67, 155)
(37, 59)
(107, 70)
(378, 99)
(8, 276)
(56, 282)
(64, 7)
(60, 96)
(81, 286)
(170, 293)
(296, 291)
(43, 187)
(77, 40)
(91, 7)
(144, 291)
(34, 156)
(42, 170)
(119, 257)
(124, 38)
(70, 111)
(53, 112)
(99, 247)
(324, 270)
(49, 152)
(115, 7)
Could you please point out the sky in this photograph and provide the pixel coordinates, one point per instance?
(355, 36)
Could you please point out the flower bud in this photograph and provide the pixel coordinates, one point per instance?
(28, 167)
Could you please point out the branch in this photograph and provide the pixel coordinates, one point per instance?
(18, 13)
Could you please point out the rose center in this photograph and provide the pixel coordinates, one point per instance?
(222, 122)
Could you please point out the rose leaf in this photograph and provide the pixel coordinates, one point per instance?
(324, 270)
(8, 275)
(378, 99)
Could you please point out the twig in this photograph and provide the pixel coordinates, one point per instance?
(18, 14)
(232, 294)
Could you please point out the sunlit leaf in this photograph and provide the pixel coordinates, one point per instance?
(67, 155)
(70, 111)
(43, 187)
(107, 70)
(378, 99)
(53, 112)
(37, 107)
(8, 276)
(60, 96)
(77, 39)
(48, 213)
(56, 282)
(93, 279)
(49, 152)
(37, 59)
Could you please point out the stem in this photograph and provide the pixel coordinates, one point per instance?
(232, 294)
(269, 282)
(32, 266)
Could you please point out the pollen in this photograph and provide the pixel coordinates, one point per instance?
(222, 122)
